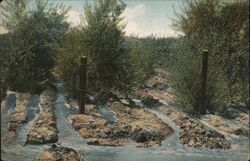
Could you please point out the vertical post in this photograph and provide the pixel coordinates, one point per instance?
(82, 86)
(1, 87)
(203, 106)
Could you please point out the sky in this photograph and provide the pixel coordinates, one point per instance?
(143, 17)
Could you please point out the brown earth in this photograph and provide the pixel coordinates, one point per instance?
(192, 132)
(18, 117)
(134, 126)
(56, 153)
(220, 123)
(243, 119)
(44, 130)
(156, 87)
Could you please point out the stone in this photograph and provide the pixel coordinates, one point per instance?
(141, 135)
(125, 102)
(150, 101)
(231, 113)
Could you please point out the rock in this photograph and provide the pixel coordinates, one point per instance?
(128, 102)
(231, 113)
(125, 102)
(142, 136)
(150, 101)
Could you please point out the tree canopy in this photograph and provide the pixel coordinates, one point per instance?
(29, 49)
(222, 28)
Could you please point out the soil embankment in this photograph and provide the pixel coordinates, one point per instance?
(192, 132)
(55, 153)
(44, 130)
(18, 117)
(134, 126)
(237, 125)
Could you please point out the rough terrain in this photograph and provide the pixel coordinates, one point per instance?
(192, 132)
(59, 153)
(44, 130)
(237, 126)
(18, 117)
(195, 134)
(134, 126)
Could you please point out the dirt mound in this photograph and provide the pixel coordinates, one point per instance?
(18, 117)
(56, 153)
(44, 130)
(193, 133)
(150, 101)
(134, 125)
(221, 124)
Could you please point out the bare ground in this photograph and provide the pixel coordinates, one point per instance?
(19, 117)
(44, 130)
(134, 126)
(56, 153)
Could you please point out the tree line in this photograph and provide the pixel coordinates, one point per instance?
(40, 46)
(222, 27)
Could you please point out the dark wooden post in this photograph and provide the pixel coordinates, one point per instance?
(1, 87)
(82, 86)
(203, 106)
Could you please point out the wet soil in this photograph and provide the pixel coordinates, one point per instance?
(60, 153)
(18, 117)
(134, 126)
(44, 130)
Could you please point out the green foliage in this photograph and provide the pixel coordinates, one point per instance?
(3, 70)
(104, 45)
(69, 51)
(101, 39)
(29, 50)
(14, 12)
(147, 54)
(115, 62)
(223, 29)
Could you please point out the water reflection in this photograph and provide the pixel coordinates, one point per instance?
(171, 149)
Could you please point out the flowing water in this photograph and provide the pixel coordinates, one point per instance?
(171, 149)
(108, 114)
(7, 109)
